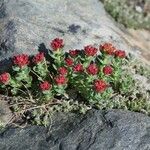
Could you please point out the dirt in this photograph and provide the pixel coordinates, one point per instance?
(141, 39)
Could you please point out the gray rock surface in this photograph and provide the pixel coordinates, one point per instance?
(112, 130)
(26, 25)
(5, 113)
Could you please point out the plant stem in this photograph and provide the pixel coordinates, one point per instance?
(29, 93)
(37, 75)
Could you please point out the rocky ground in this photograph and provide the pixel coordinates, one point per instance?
(25, 27)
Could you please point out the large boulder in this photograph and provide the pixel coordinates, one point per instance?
(26, 25)
(97, 130)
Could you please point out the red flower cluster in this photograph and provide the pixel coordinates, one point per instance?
(78, 68)
(21, 60)
(60, 80)
(4, 78)
(108, 48)
(38, 58)
(45, 86)
(90, 50)
(69, 61)
(120, 54)
(57, 44)
(74, 53)
(100, 85)
(92, 69)
(107, 70)
(62, 71)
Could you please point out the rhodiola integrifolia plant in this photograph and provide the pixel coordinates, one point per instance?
(94, 73)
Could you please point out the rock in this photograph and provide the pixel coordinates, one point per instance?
(97, 130)
(26, 26)
(138, 9)
(5, 113)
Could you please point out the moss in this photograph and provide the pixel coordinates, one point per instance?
(126, 13)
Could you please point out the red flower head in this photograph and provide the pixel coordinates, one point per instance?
(57, 44)
(60, 80)
(120, 54)
(69, 61)
(45, 86)
(38, 58)
(100, 85)
(4, 78)
(21, 60)
(107, 70)
(78, 68)
(74, 53)
(63, 70)
(92, 69)
(90, 50)
(108, 48)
